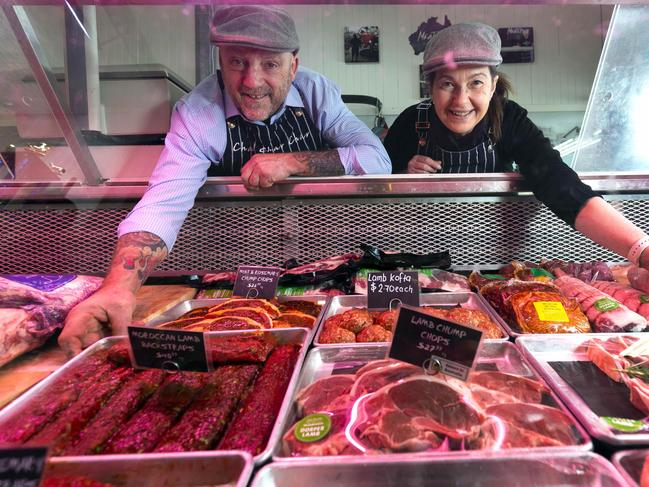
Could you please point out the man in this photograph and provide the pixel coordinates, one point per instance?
(260, 116)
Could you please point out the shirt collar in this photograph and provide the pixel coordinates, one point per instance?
(293, 99)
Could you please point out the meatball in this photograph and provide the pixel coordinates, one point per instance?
(355, 320)
(386, 319)
(374, 333)
(335, 334)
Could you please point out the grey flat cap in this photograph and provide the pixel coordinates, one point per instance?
(462, 44)
(262, 27)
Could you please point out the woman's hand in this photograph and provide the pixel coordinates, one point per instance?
(423, 165)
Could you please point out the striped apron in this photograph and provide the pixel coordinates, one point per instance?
(293, 131)
(481, 158)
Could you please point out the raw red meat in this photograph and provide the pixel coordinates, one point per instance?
(372, 380)
(522, 388)
(253, 424)
(618, 319)
(499, 434)
(543, 420)
(639, 278)
(335, 443)
(320, 395)
(631, 298)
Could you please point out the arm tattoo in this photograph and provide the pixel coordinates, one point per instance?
(140, 252)
(326, 163)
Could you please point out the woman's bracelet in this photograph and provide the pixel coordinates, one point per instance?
(637, 248)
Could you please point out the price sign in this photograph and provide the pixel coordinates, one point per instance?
(436, 344)
(170, 350)
(256, 282)
(384, 287)
(22, 467)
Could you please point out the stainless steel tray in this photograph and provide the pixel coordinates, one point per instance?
(40, 392)
(322, 362)
(340, 304)
(186, 306)
(542, 349)
(495, 469)
(157, 470)
(630, 463)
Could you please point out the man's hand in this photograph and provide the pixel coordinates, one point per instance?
(423, 165)
(106, 312)
(264, 170)
(639, 278)
(111, 308)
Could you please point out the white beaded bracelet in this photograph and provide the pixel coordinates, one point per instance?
(637, 248)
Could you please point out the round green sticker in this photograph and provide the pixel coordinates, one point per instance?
(606, 304)
(624, 424)
(644, 298)
(313, 427)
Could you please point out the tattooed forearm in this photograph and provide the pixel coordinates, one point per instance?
(326, 163)
(140, 252)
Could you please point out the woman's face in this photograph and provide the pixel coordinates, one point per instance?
(461, 96)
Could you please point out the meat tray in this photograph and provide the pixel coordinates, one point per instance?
(494, 355)
(230, 469)
(296, 336)
(630, 463)
(540, 469)
(339, 304)
(544, 350)
(191, 304)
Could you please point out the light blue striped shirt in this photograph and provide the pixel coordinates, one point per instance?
(198, 136)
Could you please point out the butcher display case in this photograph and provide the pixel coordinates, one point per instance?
(86, 91)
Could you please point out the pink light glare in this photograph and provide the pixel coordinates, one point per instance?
(449, 60)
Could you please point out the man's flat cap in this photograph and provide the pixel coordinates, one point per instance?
(261, 27)
(462, 44)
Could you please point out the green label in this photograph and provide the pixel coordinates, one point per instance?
(538, 272)
(291, 291)
(623, 424)
(494, 276)
(644, 298)
(313, 427)
(606, 304)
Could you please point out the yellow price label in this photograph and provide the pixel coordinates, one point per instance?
(551, 311)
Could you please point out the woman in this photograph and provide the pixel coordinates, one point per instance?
(468, 125)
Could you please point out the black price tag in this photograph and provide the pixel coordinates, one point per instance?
(384, 287)
(436, 344)
(170, 350)
(22, 467)
(256, 282)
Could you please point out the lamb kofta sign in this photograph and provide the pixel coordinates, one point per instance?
(437, 345)
(170, 350)
(384, 287)
(256, 282)
(22, 466)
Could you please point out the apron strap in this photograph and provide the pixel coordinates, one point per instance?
(422, 126)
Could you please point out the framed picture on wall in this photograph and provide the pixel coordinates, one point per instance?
(361, 44)
(517, 44)
(424, 92)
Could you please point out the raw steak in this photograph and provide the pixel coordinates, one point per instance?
(322, 393)
(631, 298)
(604, 319)
(543, 420)
(373, 380)
(521, 388)
(639, 278)
(498, 434)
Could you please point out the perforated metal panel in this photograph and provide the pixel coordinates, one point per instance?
(477, 231)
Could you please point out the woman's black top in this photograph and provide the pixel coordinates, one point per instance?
(550, 179)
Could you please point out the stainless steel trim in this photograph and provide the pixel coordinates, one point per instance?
(397, 185)
(541, 349)
(30, 45)
(232, 468)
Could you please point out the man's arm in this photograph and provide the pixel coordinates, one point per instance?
(111, 308)
(264, 170)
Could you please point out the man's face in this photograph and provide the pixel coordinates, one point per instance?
(461, 96)
(258, 81)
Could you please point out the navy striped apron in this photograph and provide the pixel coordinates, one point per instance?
(481, 158)
(293, 131)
